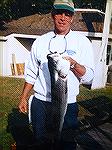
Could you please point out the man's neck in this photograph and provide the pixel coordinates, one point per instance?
(61, 33)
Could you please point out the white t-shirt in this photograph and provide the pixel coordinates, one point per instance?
(74, 45)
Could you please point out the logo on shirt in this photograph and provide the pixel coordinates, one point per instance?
(70, 52)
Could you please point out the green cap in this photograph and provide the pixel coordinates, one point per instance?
(64, 4)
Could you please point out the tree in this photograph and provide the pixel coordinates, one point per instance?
(5, 9)
(96, 4)
(21, 8)
(13, 9)
(42, 7)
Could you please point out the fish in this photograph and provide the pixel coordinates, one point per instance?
(59, 96)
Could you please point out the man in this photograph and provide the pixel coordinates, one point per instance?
(75, 49)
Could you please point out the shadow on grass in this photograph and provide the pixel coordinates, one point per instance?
(100, 109)
(18, 126)
(101, 113)
(96, 129)
(87, 142)
(1, 147)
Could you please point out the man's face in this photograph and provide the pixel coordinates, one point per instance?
(62, 21)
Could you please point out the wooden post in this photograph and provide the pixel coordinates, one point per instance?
(101, 68)
(14, 63)
(105, 35)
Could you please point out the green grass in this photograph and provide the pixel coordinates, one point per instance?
(91, 94)
(10, 90)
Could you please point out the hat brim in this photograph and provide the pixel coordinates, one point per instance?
(61, 6)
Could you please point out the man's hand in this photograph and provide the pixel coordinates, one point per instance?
(63, 67)
(68, 58)
(23, 105)
(76, 68)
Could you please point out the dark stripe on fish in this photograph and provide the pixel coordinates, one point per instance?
(58, 97)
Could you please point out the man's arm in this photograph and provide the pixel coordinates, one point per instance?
(77, 69)
(23, 105)
(83, 73)
(31, 73)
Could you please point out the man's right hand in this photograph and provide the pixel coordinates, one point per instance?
(23, 105)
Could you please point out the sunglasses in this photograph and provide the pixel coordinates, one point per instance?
(61, 11)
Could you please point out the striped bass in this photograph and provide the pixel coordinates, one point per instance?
(58, 96)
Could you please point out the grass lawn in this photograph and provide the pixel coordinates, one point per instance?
(10, 89)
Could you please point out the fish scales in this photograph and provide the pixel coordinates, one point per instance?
(58, 96)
